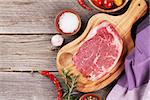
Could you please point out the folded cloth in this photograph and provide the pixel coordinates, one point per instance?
(134, 84)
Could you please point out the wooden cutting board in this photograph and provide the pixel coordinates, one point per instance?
(123, 24)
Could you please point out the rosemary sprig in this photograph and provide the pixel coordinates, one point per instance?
(70, 82)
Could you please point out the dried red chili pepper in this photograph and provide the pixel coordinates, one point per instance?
(82, 3)
(55, 82)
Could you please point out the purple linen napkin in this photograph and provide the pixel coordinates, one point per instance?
(135, 83)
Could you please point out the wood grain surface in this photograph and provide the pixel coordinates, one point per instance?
(27, 48)
(35, 16)
(26, 27)
(26, 86)
(32, 86)
(26, 53)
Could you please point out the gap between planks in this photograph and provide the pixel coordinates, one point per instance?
(26, 86)
(28, 52)
(33, 86)
(36, 16)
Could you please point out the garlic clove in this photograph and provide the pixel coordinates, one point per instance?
(57, 40)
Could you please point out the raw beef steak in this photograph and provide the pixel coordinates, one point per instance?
(100, 52)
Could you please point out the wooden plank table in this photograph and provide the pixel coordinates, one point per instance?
(26, 27)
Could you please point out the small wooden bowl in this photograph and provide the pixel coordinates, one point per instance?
(109, 10)
(88, 95)
(57, 21)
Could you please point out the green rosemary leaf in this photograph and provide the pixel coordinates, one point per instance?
(70, 82)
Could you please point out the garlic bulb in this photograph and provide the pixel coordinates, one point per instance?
(57, 40)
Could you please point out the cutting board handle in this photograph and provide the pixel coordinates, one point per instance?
(136, 9)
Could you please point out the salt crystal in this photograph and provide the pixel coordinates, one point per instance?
(68, 22)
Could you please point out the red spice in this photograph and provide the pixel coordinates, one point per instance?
(108, 4)
(55, 82)
(98, 3)
(82, 3)
(90, 96)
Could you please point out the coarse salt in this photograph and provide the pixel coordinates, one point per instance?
(68, 22)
